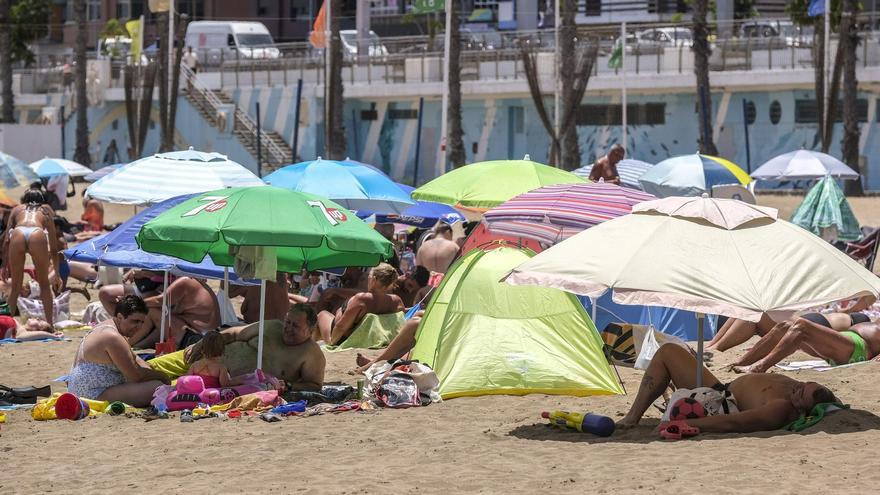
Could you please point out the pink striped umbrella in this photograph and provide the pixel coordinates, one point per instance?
(551, 214)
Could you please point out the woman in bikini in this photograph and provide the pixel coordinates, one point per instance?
(377, 300)
(31, 230)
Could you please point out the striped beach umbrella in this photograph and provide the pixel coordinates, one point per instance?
(551, 214)
(51, 167)
(691, 175)
(14, 172)
(101, 172)
(629, 171)
(162, 176)
(826, 213)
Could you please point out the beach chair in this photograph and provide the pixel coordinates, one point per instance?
(864, 250)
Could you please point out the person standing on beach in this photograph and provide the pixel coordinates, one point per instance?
(437, 254)
(605, 168)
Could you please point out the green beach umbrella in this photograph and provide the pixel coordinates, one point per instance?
(825, 206)
(484, 185)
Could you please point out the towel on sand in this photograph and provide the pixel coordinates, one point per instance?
(816, 415)
(816, 364)
(16, 341)
(374, 332)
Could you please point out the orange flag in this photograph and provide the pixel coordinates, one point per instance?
(317, 37)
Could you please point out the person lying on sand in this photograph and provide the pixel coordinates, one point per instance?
(33, 329)
(816, 335)
(765, 401)
(289, 353)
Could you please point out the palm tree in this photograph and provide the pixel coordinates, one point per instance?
(701, 70)
(571, 151)
(454, 132)
(81, 153)
(8, 101)
(849, 41)
(335, 129)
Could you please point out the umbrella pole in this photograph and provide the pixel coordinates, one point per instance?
(593, 309)
(700, 319)
(164, 307)
(226, 281)
(262, 324)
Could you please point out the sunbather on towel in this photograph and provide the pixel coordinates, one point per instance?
(33, 329)
(289, 353)
(377, 300)
(815, 334)
(105, 368)
(765, 402)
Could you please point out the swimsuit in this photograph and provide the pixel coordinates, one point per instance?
(860, 352)
(8, 323)
(90, 380)
(27, 231)
(819, 319)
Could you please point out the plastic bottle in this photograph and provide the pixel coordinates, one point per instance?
(596, 424)
(116, 408)
(162, 411)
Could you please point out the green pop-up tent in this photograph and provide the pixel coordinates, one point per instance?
(485, 337)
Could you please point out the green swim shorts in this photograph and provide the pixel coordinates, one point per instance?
(859, 353)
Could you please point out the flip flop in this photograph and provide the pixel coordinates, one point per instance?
(27, 392)
(676, 430)
(8, 398)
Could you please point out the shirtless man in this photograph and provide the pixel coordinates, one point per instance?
(289, 353)
(277, 302)
(765, 402)
(438, 253)
(105, 368)
(817, 337)
(193, 310)
(606, 167)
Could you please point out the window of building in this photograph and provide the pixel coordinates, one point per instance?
(636, 114)
(807, 111)
(129, 9)
(593, 7)
(403, 114)
(667, 6)
(195, 9)
(775, 112)
(93, 11)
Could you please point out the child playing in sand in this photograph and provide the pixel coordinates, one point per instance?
(211, 367)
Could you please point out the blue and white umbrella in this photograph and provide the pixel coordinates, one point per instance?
(162, 176)
(629, 171)
(803, 164)
(423, 214)
(52, 167)
(101, 172)
(14, 172)
(352, 184)
(691, 175)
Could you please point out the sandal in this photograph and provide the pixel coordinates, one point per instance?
(28, 392)
(676, 430)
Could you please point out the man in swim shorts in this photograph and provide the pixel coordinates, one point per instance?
(765, 401)
(815, 335)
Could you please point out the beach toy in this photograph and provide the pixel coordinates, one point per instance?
(116, 408)
(69, 406)
(687, 408)
(2, 417)
(190, 391)
(596, 424)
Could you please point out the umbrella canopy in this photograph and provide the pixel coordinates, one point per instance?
(51, 167)
(353, 185)
(14, 172)
(485, 185)
(551, 214)
(803, 164)
(423, 214)
(101, 172)
(826, 207)
(162, 176)
(691, 175)
(629, 171)
(307, 231)
(704, 255)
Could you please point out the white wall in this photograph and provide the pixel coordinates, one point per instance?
(29, 142)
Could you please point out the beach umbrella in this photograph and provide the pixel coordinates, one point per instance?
(480, 186)
(691, 175)
(803, 164)
(715, 256)
(826, 213)
(51, 167)
(15, 173)
(554, 213)
(423, 214)
(300, 231)
(101, 172)
(354, 185)
(629, 171)
(162, 176)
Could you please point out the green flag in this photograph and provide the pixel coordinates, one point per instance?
(616, 59)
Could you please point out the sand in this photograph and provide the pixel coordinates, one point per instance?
(493, 444)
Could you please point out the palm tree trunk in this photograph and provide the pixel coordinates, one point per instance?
(162, 55)
(819, 73)
(8, 100)
(454, 133)
(81, 152)
(335, 131)
(702, 51)
(849, 41)
(175, 83)
(571, 151)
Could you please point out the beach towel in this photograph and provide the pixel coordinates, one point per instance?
(816, 364)
(257, 401)
(171, 365)
(816, 414)
(374, 332)
(16, 341)
(227, 311)
(256, 262)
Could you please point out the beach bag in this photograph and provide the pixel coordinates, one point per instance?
(33, 308)
(713, 401)
(398, 391)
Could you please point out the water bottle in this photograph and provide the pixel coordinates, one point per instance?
(596, 424)
(116, 408)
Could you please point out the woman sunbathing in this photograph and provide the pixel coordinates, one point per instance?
(377, 300)
(34, 329)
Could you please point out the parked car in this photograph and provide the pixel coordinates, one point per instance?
(216, 41)
(667, 36)
(763, 32)
(349, 38)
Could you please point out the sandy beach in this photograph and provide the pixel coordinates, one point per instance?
(495, 444)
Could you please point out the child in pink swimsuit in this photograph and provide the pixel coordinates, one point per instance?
(211, 368)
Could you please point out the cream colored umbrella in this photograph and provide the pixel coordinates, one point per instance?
(716, 256)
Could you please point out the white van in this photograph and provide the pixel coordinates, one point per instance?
(218, 41)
